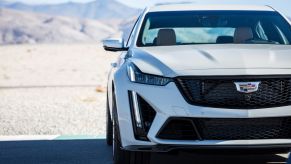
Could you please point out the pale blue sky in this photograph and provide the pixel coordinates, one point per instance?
(283, 5)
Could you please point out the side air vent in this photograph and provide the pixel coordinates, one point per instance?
(143, 115)
(178, 130)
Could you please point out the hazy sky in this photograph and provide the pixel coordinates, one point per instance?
(283, 5)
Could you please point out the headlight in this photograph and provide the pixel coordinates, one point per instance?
(136, 76)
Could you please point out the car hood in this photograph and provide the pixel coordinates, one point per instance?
(183, 59)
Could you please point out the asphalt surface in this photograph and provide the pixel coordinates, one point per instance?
(97, 152)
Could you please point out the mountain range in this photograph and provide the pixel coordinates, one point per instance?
(63, 23)
(98, 9)
(18, 27)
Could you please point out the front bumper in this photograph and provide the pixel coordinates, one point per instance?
(168, 102)
(169, 148)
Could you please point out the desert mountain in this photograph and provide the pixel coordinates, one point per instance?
(98, 9)
(17, 27)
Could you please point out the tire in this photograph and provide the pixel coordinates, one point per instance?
(109, 126)
(127, 157)
(121, 156)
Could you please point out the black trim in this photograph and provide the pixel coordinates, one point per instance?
(131, 31)
(115, 49)
(169, 148)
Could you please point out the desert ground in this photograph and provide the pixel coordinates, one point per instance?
(53, 89)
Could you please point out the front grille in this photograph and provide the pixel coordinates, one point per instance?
(222, 93)
(227, 129)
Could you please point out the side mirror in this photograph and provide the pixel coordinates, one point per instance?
(114, 45)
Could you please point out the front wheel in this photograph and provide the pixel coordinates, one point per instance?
(121, 156)
(109, 126)
(127, 157)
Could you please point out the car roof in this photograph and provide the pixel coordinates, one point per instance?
(195, 7)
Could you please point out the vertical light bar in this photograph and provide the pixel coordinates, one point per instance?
(131, 73)
(136, 109)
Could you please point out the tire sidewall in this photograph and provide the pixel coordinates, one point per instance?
(109, 126)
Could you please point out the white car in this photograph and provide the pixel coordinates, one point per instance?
(200, 77)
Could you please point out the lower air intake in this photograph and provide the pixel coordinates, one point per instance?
(226, 129)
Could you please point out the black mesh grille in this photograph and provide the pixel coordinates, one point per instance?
(222, 93)
(227, 129)
(178, 130)
(240, 129)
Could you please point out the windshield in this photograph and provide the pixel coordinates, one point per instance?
(214, 27)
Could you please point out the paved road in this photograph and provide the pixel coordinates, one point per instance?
(97, 152)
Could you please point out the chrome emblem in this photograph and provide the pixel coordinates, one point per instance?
(247, 87)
